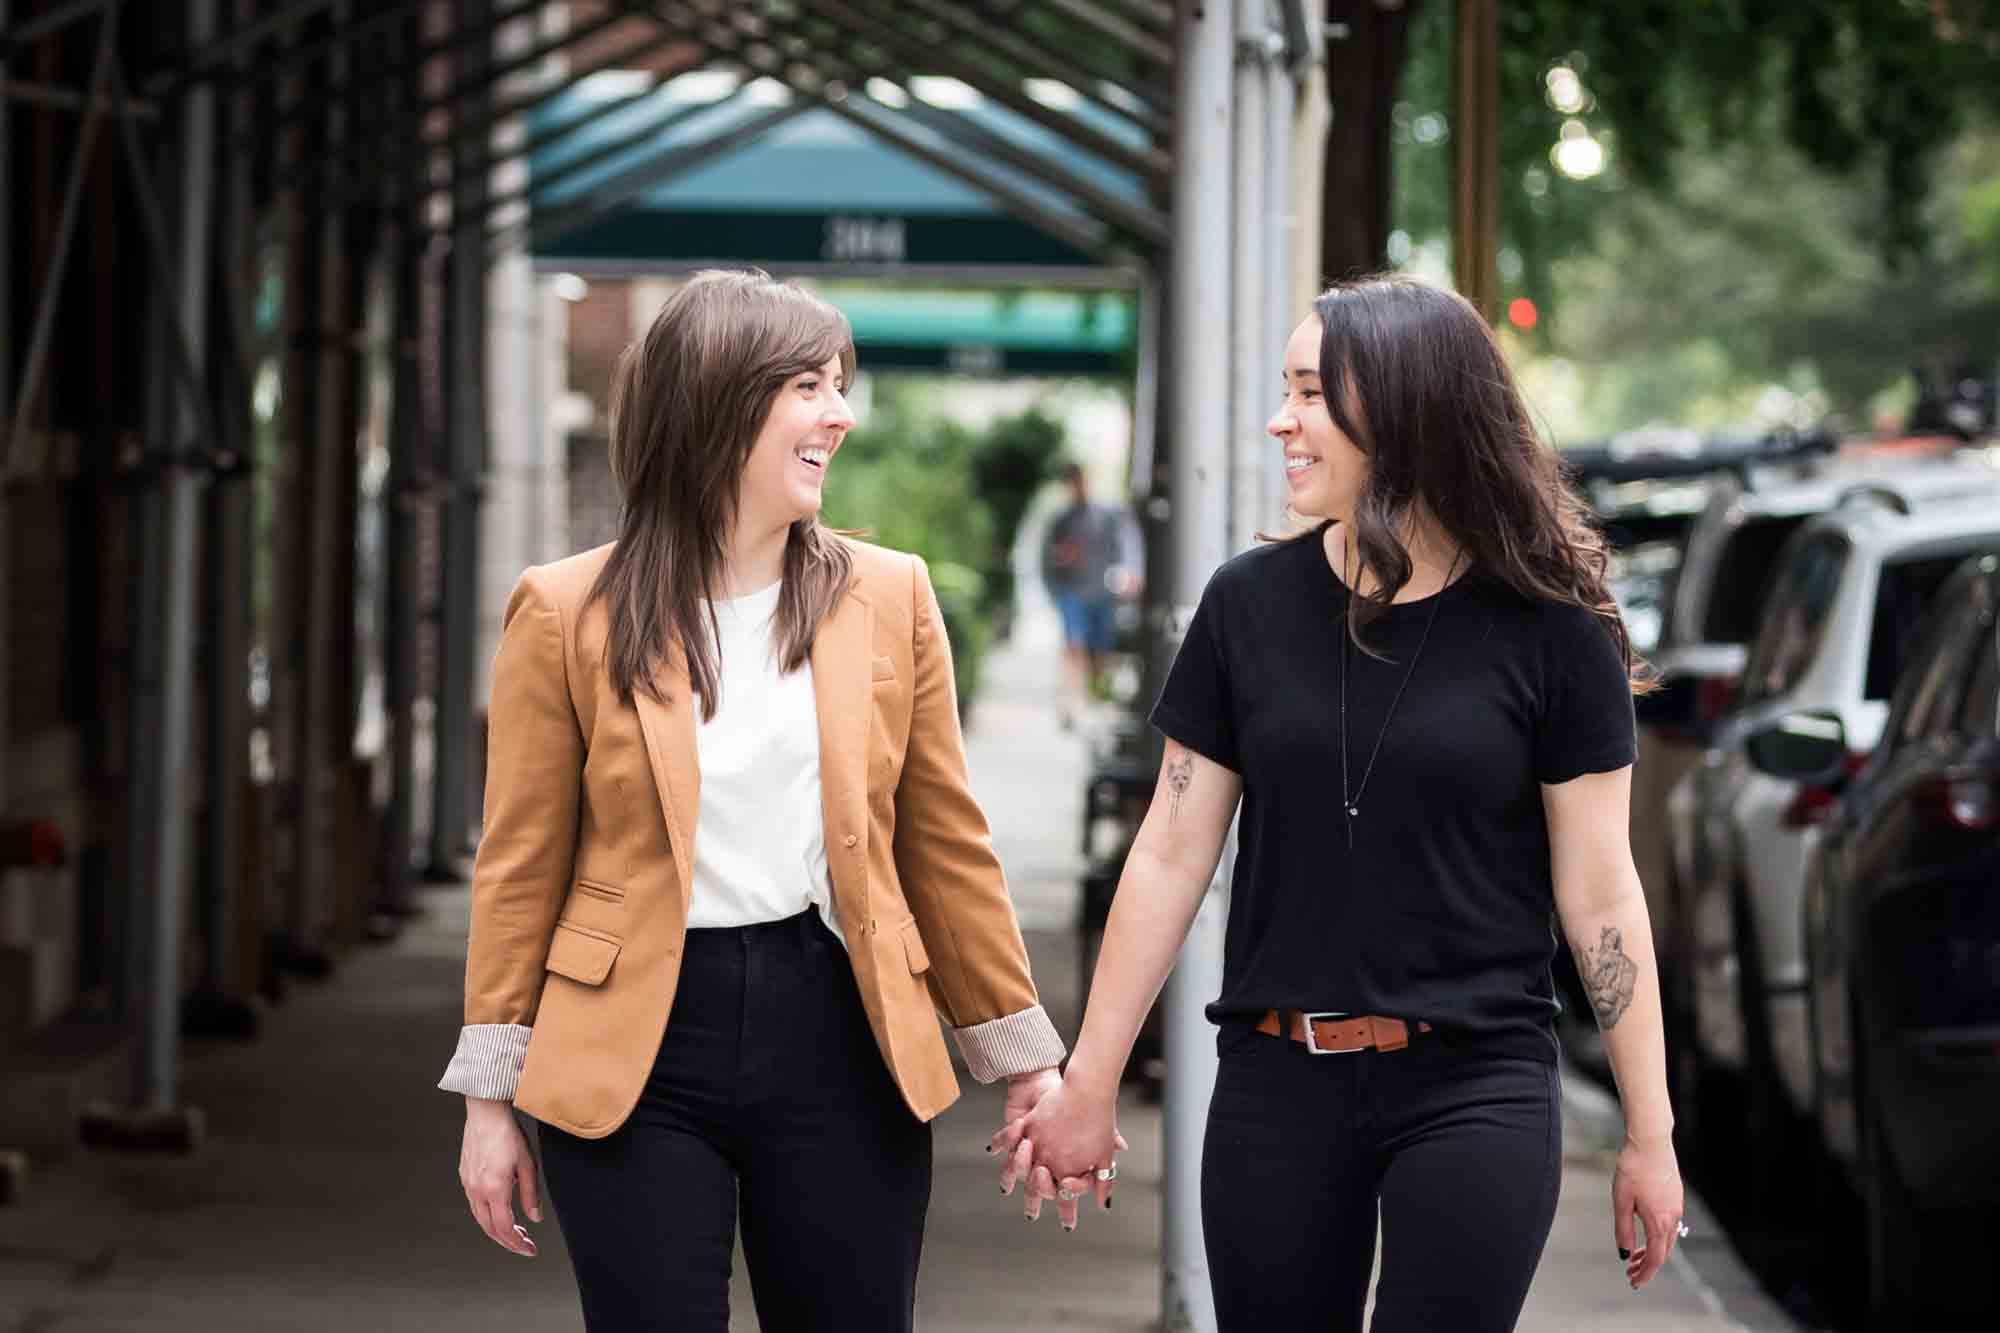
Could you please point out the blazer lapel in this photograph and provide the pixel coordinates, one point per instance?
(840, 665)
(670, 748)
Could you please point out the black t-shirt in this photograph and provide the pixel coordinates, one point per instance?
(1445, 908)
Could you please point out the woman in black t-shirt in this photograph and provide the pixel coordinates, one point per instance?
(1423, 704)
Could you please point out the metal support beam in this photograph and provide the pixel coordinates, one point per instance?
(163, 688)
(467, 36)
(42, 328)
(366, 147)
(1150, 163)
(223, 60)
(721, 38)
(829, 69)
(1199, 384)
(417, 156)
(1280, 225)
(1148, 223)
(1021, 46)
(1122, 31)
(399, 572)
(656, 170)
(653, 130)
(1249, 320)
(213, 59)
(55, 19)
(218, 1005)
(69, 99)
(452, 793)
(7, 262)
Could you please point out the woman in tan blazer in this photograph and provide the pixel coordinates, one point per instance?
(731, 870)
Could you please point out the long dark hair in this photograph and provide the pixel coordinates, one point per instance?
(687, 403)
(1414, 377)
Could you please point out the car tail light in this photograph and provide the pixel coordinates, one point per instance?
(1714, 698)
(1971, 804)
(1815, 800)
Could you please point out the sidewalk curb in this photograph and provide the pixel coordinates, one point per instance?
(1593, 1129)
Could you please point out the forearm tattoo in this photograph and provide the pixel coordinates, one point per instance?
(1608, 976)
(1180, 776)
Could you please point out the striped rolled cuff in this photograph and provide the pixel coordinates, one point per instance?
(1016, 1044)
(488, 1061)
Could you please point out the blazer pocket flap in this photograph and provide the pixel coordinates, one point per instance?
(581, 957)
(883, 669)
(913, 948)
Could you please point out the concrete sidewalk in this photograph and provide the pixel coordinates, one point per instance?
(327, 1196)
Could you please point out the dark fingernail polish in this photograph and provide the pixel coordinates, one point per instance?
(1624, 1253)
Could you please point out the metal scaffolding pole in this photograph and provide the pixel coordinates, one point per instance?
(165, 584)
(403, 502)
(452, 790)
(1249, 388)
(1280, 225)
(218, 1006)
(6, 370)
(1198, 289)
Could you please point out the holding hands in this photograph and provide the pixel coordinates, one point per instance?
(1059, 1137)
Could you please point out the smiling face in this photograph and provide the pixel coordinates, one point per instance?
(1324, 472)
(786, 469)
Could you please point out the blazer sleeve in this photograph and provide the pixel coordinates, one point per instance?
(952, 878)
(527, 843)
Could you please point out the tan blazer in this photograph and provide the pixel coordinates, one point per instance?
(581, 887)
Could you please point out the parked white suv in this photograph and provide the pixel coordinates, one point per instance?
(1718, 599)
(1844, 605)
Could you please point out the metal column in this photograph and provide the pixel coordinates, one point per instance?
(400, 521)
(452, 789)
(163, 676)
(218, 1006)
(1198, 290)
(1250, 388)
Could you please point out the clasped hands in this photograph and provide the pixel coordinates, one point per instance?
(1057, 1133)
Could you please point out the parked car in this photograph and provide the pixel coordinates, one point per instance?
(1902, 938)
(1712, 609)
(1851, 588)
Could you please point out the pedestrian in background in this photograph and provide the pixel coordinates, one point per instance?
(1088, 565)
(1422, 705)
(730, 863)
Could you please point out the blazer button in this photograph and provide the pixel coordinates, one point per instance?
(851, 840)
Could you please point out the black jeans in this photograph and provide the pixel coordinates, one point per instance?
(1461, 1149)
(769, 1098)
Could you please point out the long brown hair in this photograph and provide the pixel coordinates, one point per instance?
(1414, 377)
(687, 403)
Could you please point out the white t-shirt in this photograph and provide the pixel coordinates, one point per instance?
(760, 838)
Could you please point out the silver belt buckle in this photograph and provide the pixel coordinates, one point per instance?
(1312, 1037)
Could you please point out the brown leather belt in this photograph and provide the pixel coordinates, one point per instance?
(1331, 1034)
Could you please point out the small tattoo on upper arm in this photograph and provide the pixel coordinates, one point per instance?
(1608, 977)
(1180, 776)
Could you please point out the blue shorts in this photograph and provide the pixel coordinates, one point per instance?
(1086, 621)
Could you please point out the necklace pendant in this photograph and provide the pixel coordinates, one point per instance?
(1353, 811)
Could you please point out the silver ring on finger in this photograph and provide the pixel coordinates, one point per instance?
(1108, 1172)
(1681, 1230)
(1066, 1194)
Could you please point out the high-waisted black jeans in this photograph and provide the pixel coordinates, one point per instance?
(1462, 1150)
(769, 1100)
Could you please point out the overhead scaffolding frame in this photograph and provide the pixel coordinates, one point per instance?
(411, 173)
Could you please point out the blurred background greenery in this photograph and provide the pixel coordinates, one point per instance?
(912, 478)
(1755, 212)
